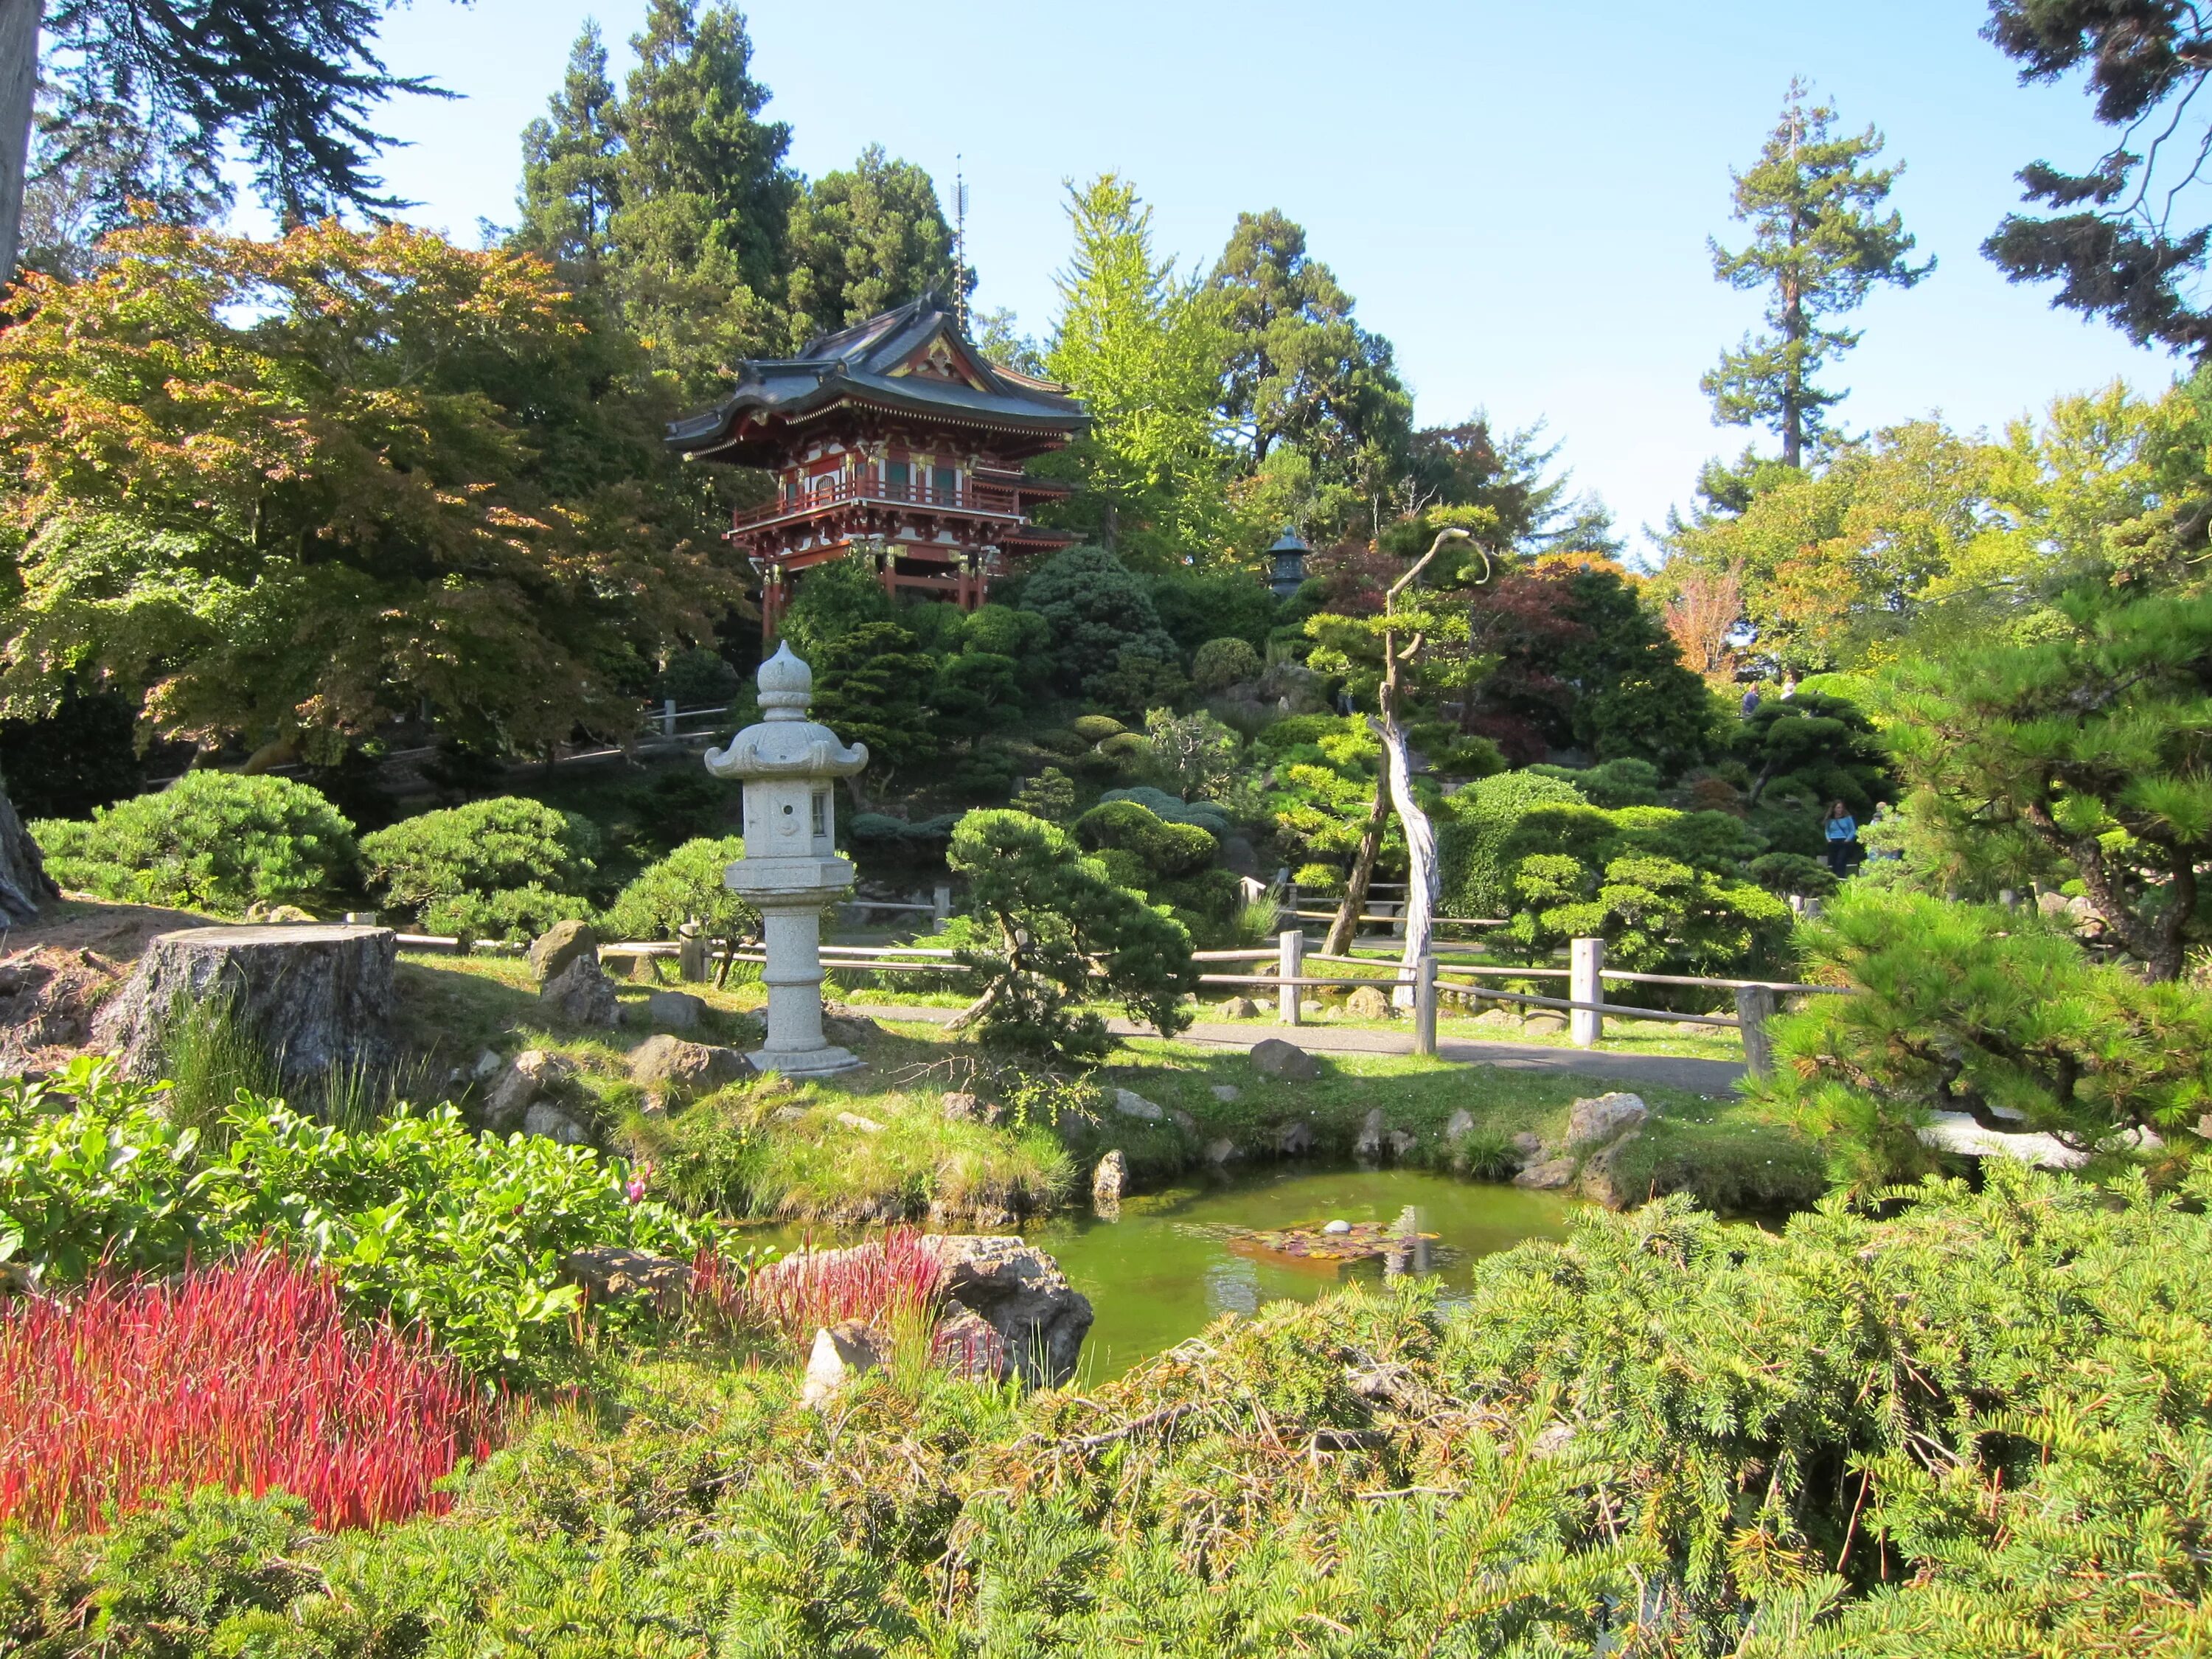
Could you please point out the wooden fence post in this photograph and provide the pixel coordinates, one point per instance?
(1424, 1006)
(941, 907)
(691, 954)
(1754, 1006)
(1586, 983)
(1290, 967)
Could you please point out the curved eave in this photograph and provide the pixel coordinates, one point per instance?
(709, 437)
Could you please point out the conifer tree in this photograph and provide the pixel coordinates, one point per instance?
(698, 236)
(1820, 243)
(1301, 370)
(572, 161)
(864, 240)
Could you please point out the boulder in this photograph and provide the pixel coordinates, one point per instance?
(1226, 1092)
(287, 916)
(530, 1077)
(1221, 1152)
(316, 999)
(1530, 1144)
(1367, 1003)
(1277, 1059)
(965, 1345)
(961, 1107)
(1368, 1149)
(1543, 1024)
(487, 1066)
(841, 1352)
(1130, 1103)
(582, 994)
(1496, 1017)
(1459, 1127)
(1401, 1142)
(1109, 1181)
(1600, 1180)
(1606, 1117)
(669, 1065)
(1021, 1293)
(846, 1029)
(1336, 1229)
(1312, 1010)
(866, 1126)
(1240, 1008)
(1183, 1120)
(1548, 1176)
(612, 1272)
(1294, 1138)
(554, 1124)
(676, 1010)
(560, 945)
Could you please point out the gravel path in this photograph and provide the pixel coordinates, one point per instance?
(1705, 1077)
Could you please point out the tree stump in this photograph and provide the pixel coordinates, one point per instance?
(24, 885)
(314, 997)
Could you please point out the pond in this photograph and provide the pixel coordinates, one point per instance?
(1176, 1261)
(1172, 1263)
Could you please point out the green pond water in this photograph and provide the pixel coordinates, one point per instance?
(1169, 1267)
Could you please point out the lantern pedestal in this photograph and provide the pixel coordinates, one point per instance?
(790, 896)
(790, 871)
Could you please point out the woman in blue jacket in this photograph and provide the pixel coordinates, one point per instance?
(1842, 833)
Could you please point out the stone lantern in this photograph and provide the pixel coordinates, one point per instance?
(789, 766)
(1286, 570)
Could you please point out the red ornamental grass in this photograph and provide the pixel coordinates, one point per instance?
(245, 1376)
(875, 1284)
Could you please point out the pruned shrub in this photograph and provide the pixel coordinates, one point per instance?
(1220, 664)
(1096, 728)
(687, 885)
(214, 840)
(1161, 849)
(513, 913)
(484, 847)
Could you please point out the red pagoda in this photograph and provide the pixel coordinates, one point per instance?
(894, 441)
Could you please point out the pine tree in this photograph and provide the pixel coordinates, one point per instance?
(864, 240)
(697, 239)
(1301, 371)
(1819, 244)
(571, 162)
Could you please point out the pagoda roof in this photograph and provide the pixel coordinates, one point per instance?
(915, 360)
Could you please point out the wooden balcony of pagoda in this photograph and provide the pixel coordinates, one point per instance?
(970, 499)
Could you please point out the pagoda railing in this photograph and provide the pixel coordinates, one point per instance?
(845, 490)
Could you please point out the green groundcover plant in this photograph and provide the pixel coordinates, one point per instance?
(420, 1217)
(1976, 1426)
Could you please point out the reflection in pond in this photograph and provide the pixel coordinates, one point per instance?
(1177, 1260)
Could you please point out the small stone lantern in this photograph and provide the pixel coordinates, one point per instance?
(789, 766)
(1287, 570)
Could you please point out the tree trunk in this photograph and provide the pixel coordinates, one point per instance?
(1420, 852)
(1346, 926)
(19, 81)
(24, 883)
(317, 999)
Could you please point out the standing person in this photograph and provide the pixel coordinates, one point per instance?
(1843, 832)
(1750, 702)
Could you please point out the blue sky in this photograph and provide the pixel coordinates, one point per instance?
(1517, 195)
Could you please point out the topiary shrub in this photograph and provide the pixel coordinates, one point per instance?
(1220, 664)
(1792, 873)
(684, 886)
(1097, 729)
(484, 847)
(1207, 815)
(1476, 843)
(1163, 850)
(1096, 606)
(213, 839)
(513, 913)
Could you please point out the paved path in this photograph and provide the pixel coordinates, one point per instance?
(1705, 1077)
